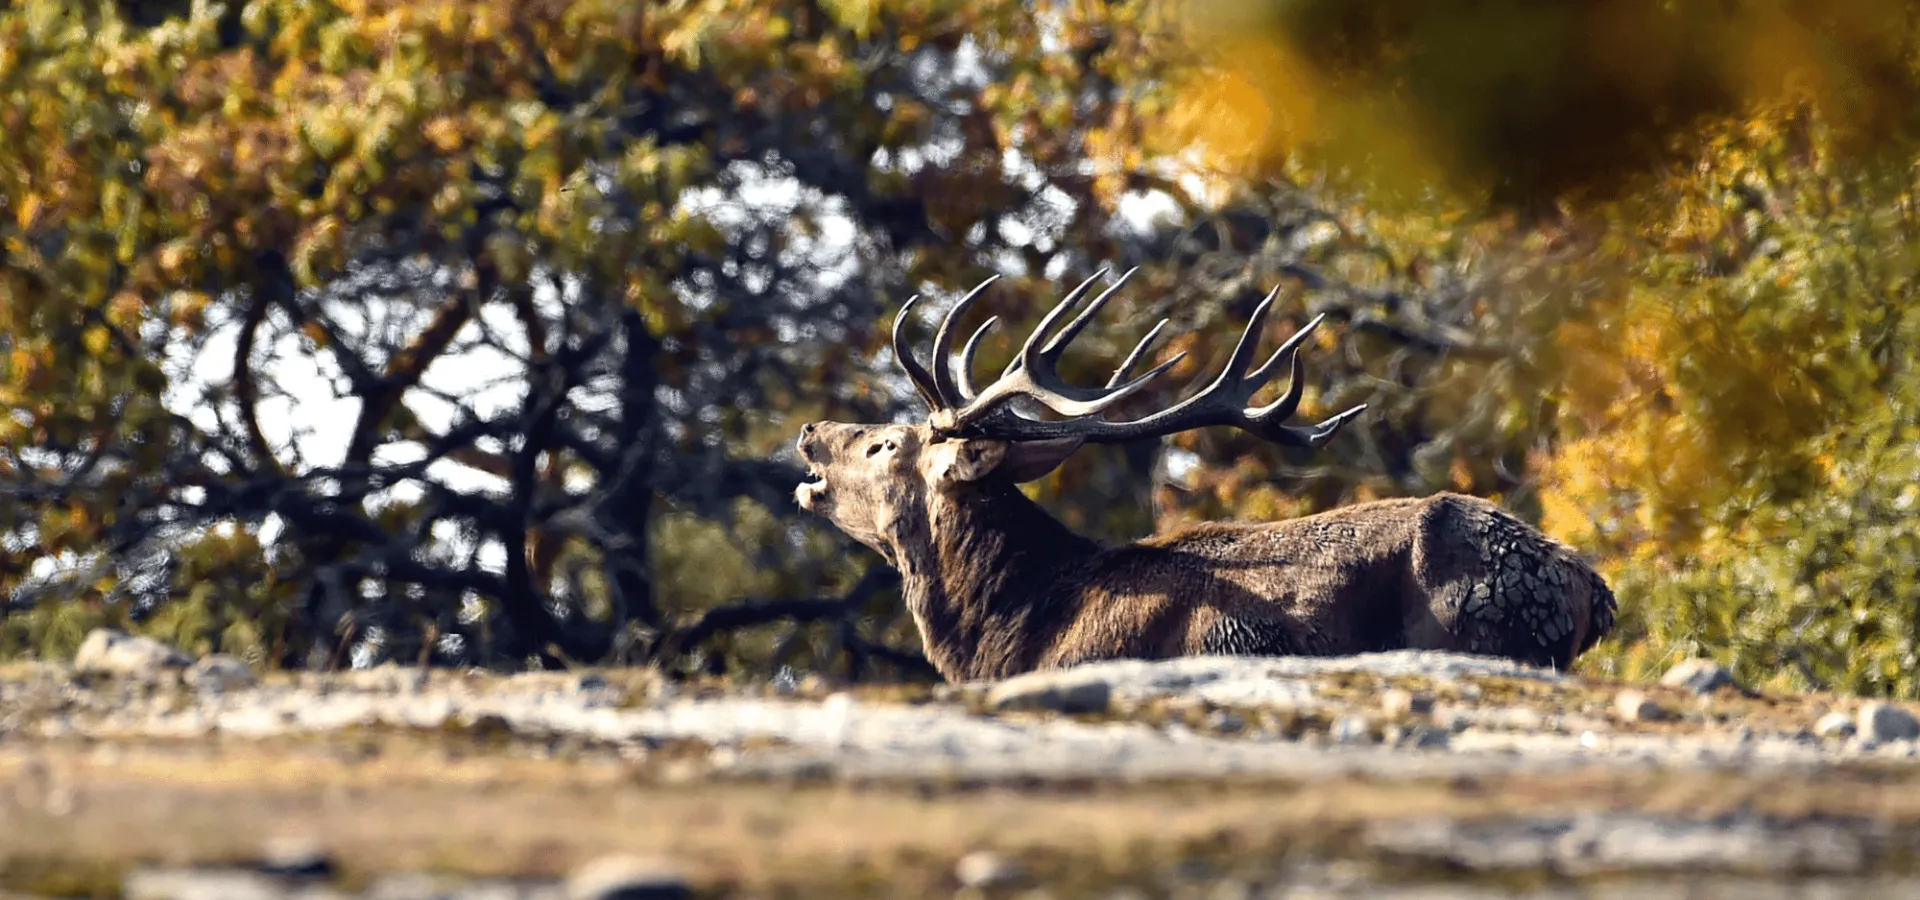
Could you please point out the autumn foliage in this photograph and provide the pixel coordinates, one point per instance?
(477, 333)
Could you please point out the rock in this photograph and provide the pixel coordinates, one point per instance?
(627, 878)
(186, 884)
(1633, 706)
(1070, 692)
(1399, 703)
(1701, 676)
(110, 651)
(1423, 738)
(1352, 730)
(985, 870)
(295, 858)
(1835, 725)
(1226, 721)
(1880, 722)
(221, 672)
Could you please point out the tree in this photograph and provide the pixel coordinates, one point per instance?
(565, 274)
(1747, 415)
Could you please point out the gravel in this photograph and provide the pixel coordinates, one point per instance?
(1594, 844)
(1384, 715)
(1700, 676)
(1111, 733)
(844, 734)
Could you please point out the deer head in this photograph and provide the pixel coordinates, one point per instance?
(877, 481)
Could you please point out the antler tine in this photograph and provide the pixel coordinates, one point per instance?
(1133, 358)
(1313, 438)
(1223, 402)
(1287, 348)
(1059, 343)
(1296, 376)
(943, 380)
(1266, 421)
(966, 358)
(1033, 373)
(916, 373)
(1236, 368)
(1080, 321)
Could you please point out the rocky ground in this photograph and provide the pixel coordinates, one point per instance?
(139, 773)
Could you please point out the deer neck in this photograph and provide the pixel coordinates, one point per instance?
(979, 575)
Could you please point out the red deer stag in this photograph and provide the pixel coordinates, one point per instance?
(998, 587)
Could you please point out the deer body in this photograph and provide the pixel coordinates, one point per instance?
(998, 587)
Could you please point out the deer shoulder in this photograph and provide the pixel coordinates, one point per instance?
(996, 586)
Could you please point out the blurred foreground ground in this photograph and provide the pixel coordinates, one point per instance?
(1392, 775)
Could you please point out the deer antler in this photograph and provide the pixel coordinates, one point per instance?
(958, 408)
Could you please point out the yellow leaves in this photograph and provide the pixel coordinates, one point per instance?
(28, 214)
(96, 340)
(1542, 99)
(1237, 114)
(23, 364)
(317, 249)
(907, 122)
(175, 256)
(1114, 157)
(444, 133)
(188, 309)
(686, 39)
(449, 199)
(858, 16)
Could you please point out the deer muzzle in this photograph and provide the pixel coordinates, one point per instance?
(814, 453)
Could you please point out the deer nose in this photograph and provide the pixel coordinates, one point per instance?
(807, 433)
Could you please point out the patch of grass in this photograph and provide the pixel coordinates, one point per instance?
(56, 877)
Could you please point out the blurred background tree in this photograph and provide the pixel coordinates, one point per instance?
(478, 333)
(475, 331)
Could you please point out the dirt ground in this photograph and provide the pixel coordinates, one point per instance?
(115, 789)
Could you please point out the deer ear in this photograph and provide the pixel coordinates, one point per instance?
(1020, 461)
(966, 460)
(1032, 460)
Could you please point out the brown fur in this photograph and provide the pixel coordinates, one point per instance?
(998, 587)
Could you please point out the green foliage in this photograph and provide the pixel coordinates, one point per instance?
(1747, 458)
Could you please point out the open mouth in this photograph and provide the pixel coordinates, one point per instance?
(814, 477)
